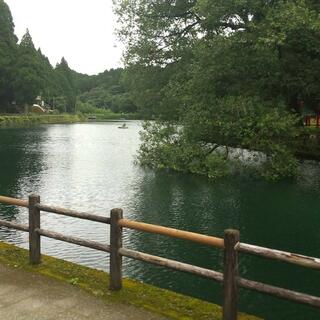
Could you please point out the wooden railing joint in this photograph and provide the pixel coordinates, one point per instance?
(231, 245)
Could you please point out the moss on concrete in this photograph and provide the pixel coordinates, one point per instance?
(160, 301)
(29, 120)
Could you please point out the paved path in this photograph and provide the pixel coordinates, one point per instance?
(28, 296)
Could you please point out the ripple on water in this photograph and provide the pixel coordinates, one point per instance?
(90, 167)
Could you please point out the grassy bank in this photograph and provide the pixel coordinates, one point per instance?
(111, 116)
(91, 111)
(30, 119)
(160, 301)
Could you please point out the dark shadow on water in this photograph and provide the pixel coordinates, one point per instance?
(269, 214)
(89, 167)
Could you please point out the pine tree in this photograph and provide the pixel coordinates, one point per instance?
(28, 81)
(8, 50)
(66, 86)
(27, 42)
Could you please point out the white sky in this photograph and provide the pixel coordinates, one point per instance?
(80, 30)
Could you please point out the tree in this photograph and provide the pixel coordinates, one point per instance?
(8, 51)
(30, 72)
(51, 88)
(106, 90)
(145, 86)
(242, 42)
(66, 86)
(236, 63)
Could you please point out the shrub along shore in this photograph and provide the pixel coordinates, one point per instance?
(31, 119)
(307, 143)
(25, 120)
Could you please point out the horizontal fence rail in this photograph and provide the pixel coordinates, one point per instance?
(171, 232)
(172, 264)
(74, 240)
(13, 225)
(73, 213)
(230, 244)
(280, 292)
(14, 202)
(293, 258)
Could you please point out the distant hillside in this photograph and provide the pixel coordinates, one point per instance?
(25, 73)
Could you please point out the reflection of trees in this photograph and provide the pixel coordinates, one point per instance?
(277, 215)
(20, 162)
(267, 213)
(185, 202)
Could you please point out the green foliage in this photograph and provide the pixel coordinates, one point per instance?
(280, 164)
(30, 120)
(164, 146)
(99, 113)
(8, 51)
(87, 108)
(73, 281)
(29, 78)
(219, 48)
(26, 73)
(217, 166)
(229, 72)
(148, 91)
(66, 89)
(198, 144)
(107, 91)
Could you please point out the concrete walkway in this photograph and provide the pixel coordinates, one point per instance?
(28, 296)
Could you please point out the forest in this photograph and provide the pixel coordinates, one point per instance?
(214, 74)
(220, 74)
(25, 73)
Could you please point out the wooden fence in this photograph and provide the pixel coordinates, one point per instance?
(230, 244)
(312, 121)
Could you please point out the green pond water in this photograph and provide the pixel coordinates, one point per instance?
(90, 167)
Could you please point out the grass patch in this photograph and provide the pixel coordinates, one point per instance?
(159, 301)
(30, 119)
(111, 116)
(91, 111)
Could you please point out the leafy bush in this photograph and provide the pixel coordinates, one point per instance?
(200, 142)
(89, 109)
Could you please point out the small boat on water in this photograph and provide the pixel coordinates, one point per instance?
(124, 126)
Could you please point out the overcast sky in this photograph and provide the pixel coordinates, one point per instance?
(80, 30)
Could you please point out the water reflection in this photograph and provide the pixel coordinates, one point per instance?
(90, 167)
(20, 158)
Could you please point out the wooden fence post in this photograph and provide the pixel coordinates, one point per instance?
(34, 237)
(115, 245)
(230, 274)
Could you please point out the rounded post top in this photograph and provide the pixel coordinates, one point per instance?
(33, 195)
(34, 198)
(116, 212)
(231, 235)
(231, 232)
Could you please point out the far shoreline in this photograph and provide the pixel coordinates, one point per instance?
(27, 120)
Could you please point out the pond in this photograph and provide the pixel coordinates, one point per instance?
(90, 167)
